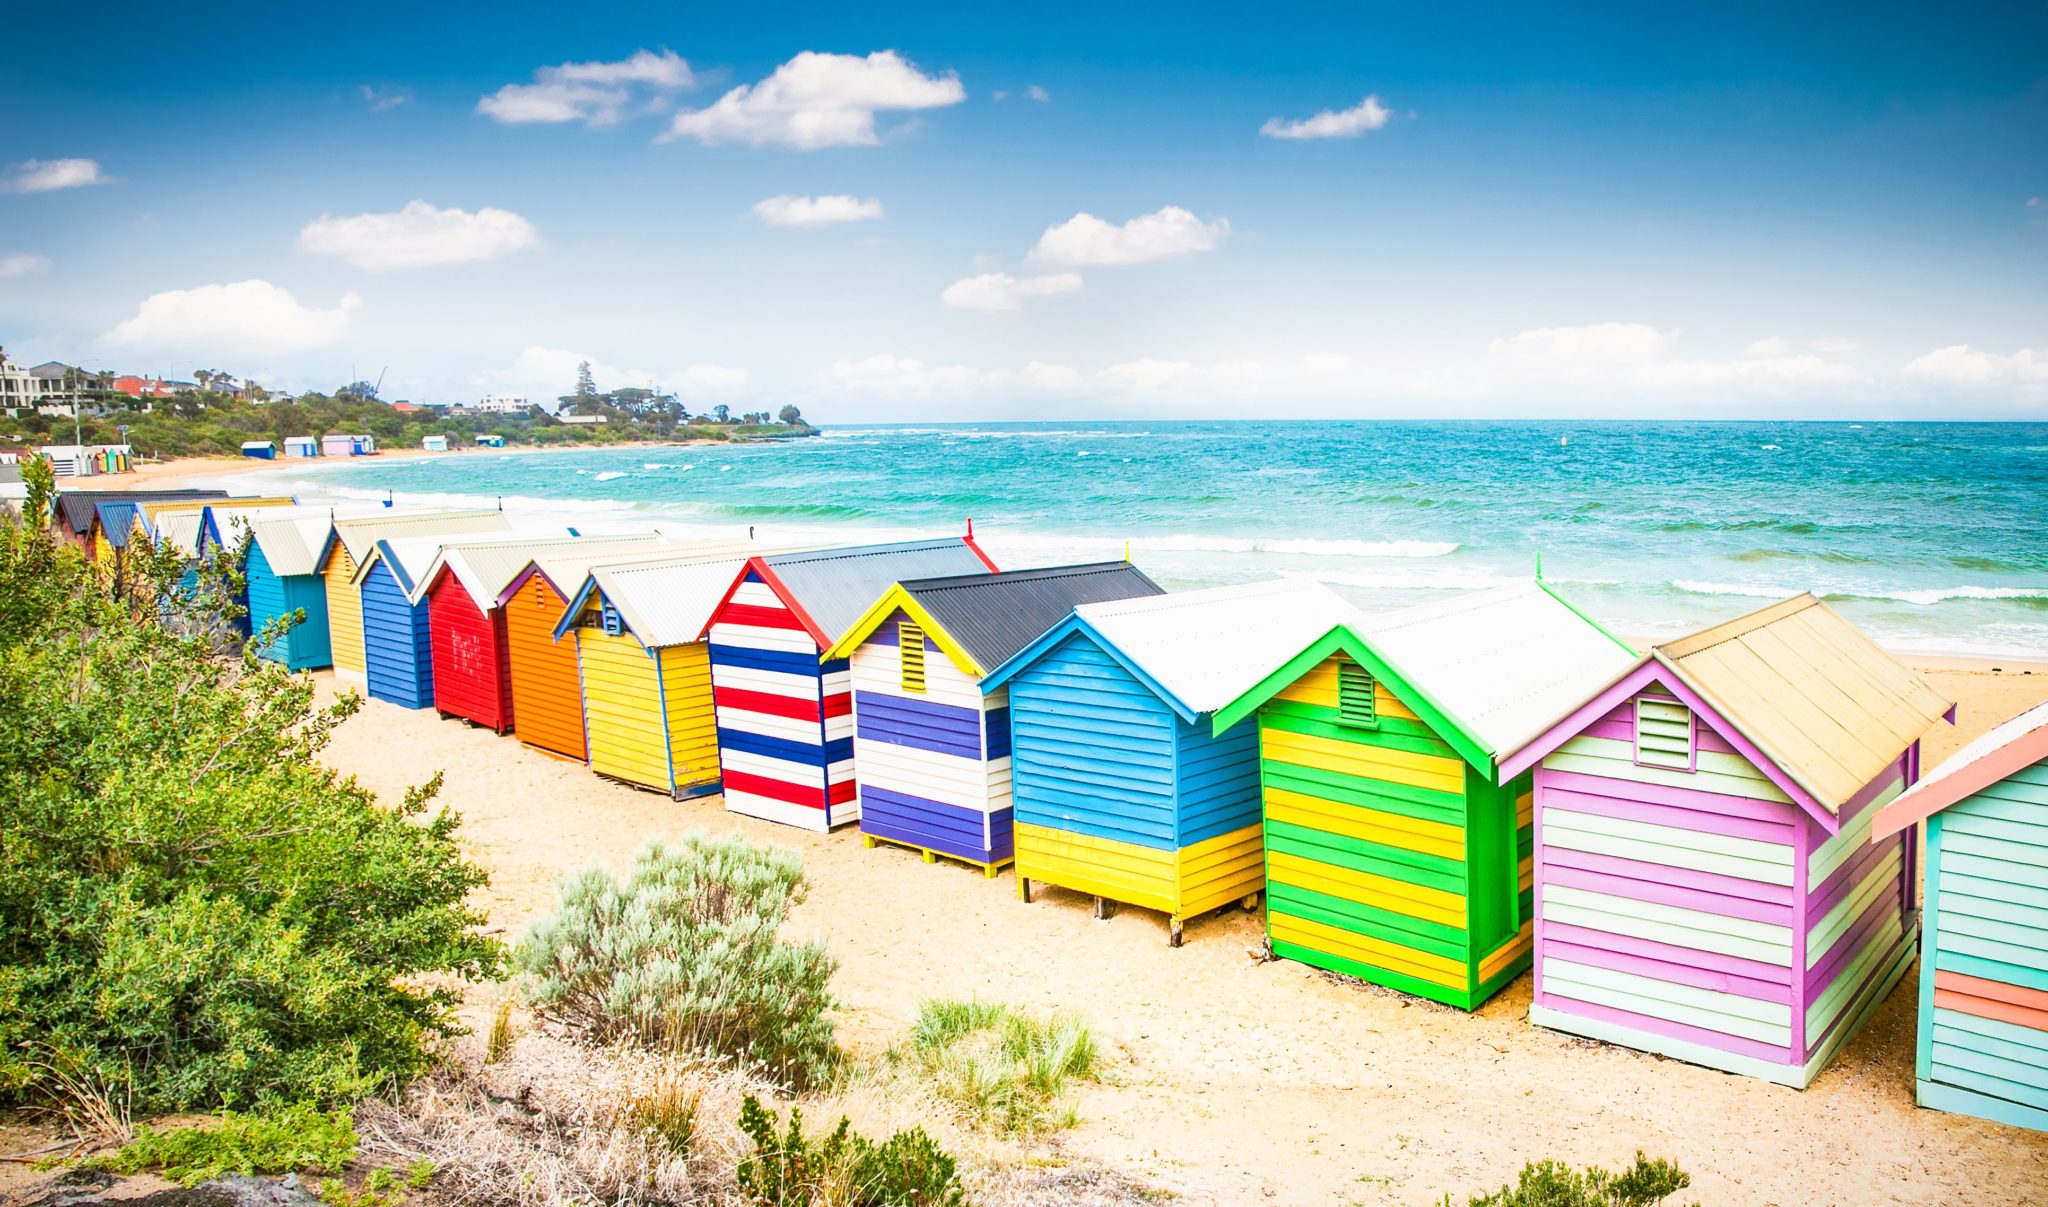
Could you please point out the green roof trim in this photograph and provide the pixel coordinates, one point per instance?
(1342, 640)
(1575, 610)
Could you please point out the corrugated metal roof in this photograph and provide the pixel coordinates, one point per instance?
(117, 521)
(292, 543)
(992, 616)
(78, 507)
(226, 522)
(1502, 663)
(413, 555)
(180, 530)
(566, 568)
(1815, 695)
(831, 588)
(357, 536)
(2008, 748)
(486, 568)
(669, 602)
(1207, 648)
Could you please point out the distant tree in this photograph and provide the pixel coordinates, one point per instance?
(790, 415)
(722, 413)
(357, 391)
(586, 385)
(202, 376)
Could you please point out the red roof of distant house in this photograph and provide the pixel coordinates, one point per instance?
(406, 408)
(142, 387)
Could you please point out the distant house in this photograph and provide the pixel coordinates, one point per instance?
(407, 408)
(504, 404)
(581, 420)
(143, 387)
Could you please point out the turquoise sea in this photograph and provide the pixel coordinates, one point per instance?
(1932, 536)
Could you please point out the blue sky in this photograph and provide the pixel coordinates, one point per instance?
(1128, 211)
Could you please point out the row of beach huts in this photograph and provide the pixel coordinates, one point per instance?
(363, 445)
(1705, 849)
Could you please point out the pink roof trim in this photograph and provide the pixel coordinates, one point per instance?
(2014, 746)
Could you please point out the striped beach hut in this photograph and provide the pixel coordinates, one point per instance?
(933, 752)
(1123, 788)
(1706, 886)
(1394, 852)
(547, 690)
(1983, 1030)
(398, 648)
(350, 543)
(785, 715)
(645, 670)
(462, 587)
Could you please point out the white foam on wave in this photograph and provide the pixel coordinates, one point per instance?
(1926, 597)
(606, 477)
(1412, 580)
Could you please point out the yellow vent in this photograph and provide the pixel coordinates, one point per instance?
(910, 640)
(1357, 703)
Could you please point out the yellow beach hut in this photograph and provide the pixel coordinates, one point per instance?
(349, 544)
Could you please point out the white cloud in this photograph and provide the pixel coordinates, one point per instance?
(1367, 114)
(1959, 366)
(594, 93)
(819, 100)
(1834, 345)
(1146, 373)
(890, 378)
(418, 236)
(992, 292)
(1637, 357)
(23, 263)
(541, 375)
(380, 99)
(1326, 364)
(48, 175)
(816, 211)
(245, 318)
(1038, 94)
(1770, 346)
(1084, 239)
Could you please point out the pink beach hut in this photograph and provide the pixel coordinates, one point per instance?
(1705, 883)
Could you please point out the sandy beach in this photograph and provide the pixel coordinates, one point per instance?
(1241, 1081)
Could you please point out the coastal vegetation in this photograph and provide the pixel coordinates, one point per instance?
(1002, 1068)
(1555, 1184)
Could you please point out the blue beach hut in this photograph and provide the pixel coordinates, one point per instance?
(398, 648)
(1122, 789)
(283, 577)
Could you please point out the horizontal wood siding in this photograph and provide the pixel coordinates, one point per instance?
(692, 717)
(1366, 843)
(1856, 914)
(304, 646)
(1984, 1041)
(344, 614)
(1218, 779)
(1093, 750)
(785, 722)
(470, 677)
(547, 695)
(1665, 901)
(622, 704)
(397, 642)
(1182, 883)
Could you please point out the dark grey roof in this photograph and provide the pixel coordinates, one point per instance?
(77, 507)
(833, 587)
(992, 616)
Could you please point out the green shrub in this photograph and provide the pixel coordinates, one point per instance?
(291, 1140)
(1000, 1066)
(684, 957)
(787, 1169)
(1555, 1184)
(194, 913)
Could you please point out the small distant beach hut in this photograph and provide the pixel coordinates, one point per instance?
(398, 647)
(1123, 789)
(1393, 852)
(262, 450)
(434, 444)
(488, 441)
(932, 752)
(1706, 887)
(547, 691)
(301, 446)
(349, 543)
(785, 717)
(1983, 1030)
(70, 460)
(463, 587)
(648, 712)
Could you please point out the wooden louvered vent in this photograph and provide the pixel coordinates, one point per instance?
(1356, 701)
(910, 639)
(1664, 734)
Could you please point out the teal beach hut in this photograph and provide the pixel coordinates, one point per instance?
(284, 578)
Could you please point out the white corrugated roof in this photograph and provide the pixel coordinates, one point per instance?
(293, 540)
(180, 530)
(566, 567)
(357, 536)
(415, 554)
(486, 567)
(1505, 663)
(669, 602)
(1207, 648)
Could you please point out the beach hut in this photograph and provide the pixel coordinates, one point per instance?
(547, 690)
(77, 511)
(464, 586)
(283, 577)
(1706, 887)
(434, 444)
(785, 723)
(1394, 852)
(70, 460)
(488, 441)
(301, 446)
(1983, 1029)
(350, 543)
(933, 752)
(1123, 788)
(262, 450)
(398, 649)
(645, 669)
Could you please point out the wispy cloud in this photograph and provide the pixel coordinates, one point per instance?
(22, 264)
(379, 98)
(49, 175)
(544, 374)
(996, 292)
(594, 93)
(1367, 114)
(1962, 367)
(418, 236)
(245, 318)
(829, 210)
(819, 100)
(1169, 232)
